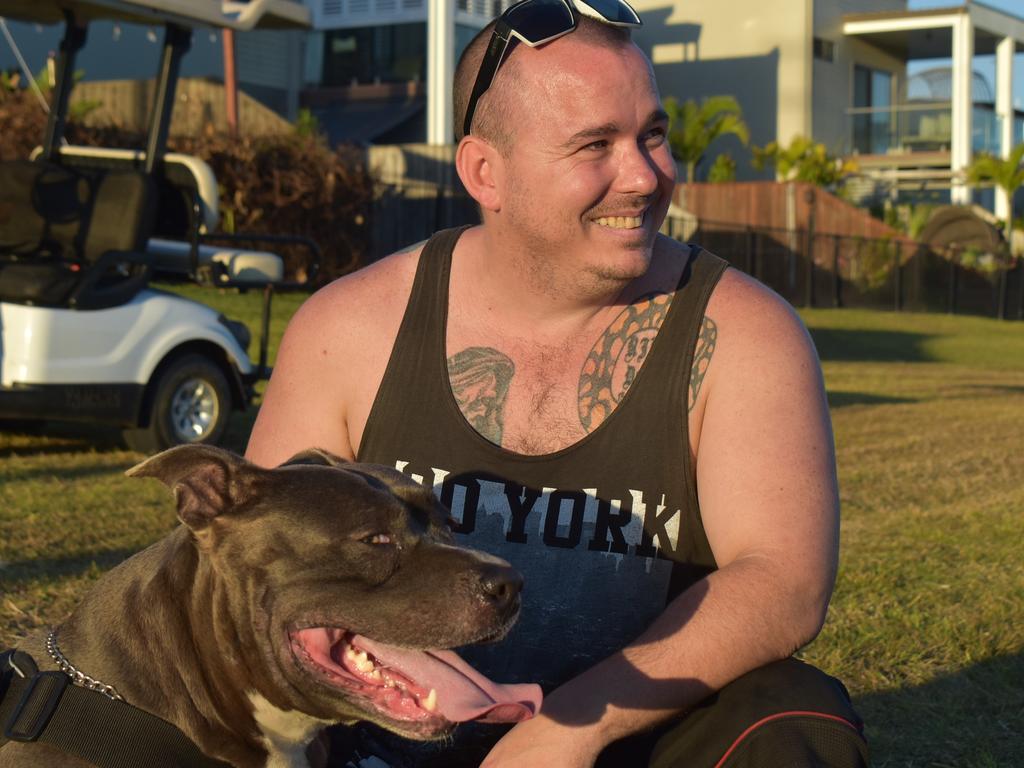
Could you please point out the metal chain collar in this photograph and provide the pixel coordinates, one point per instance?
(78, 678)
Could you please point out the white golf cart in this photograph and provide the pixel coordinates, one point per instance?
(82, 335)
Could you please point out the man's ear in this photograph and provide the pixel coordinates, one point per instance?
(481, 168)
(206, 481)
(316, 456)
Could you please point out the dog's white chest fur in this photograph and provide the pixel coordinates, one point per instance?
(286, 734)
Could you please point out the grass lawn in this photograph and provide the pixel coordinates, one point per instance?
(927, 623)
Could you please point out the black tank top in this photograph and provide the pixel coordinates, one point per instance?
(605, 531)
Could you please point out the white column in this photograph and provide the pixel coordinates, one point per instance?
(440, 70)
(963, 108)
(1004, 112)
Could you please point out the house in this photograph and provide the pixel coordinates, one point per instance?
(853, 75)
(953, 113)
(371, 64)
(269, 61)
(900, 89)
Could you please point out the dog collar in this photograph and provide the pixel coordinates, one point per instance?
(45, 707)
(77, 677)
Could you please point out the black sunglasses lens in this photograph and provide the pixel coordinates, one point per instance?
(614, 11)
(539, 20)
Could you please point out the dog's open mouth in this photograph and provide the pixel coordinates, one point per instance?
(426, 687)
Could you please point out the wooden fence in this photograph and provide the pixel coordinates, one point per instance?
(786, 206)
(855, 260)
(199, 106)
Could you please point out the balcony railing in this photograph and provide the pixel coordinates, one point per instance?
(339, 14)
(923, 127)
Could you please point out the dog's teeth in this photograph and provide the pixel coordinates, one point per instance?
(376, 675)
(350, 653)
(430, 703)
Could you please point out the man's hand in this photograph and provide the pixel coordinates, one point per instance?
(543, 743)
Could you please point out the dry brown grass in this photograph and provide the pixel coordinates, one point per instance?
(925, 625)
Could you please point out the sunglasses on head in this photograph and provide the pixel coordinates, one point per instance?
(536, 22)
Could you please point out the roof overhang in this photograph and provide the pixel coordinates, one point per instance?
(928, 34)
(241, 16)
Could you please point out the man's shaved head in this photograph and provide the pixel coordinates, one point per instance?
(495, 111)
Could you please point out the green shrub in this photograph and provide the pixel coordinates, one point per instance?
(292, 184)
(723, 169)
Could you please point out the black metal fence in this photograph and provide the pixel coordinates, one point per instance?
(808, 268)
(818, 269)
(407, 214)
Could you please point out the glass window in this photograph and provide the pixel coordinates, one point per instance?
(873, 123)
(395, 53)
(861, 86)
(824, 49)
(881, 88)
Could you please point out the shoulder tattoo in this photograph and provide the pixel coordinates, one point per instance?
(702, 358)
(480, 378)
(615, 359)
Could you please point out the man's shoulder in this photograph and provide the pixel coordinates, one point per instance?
(331, 360)
(368, 298)
(737, 299)
(753, 322)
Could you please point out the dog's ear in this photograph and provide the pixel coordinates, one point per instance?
(316, 456)
(206, 481)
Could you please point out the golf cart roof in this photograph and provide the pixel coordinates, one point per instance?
(242, 16)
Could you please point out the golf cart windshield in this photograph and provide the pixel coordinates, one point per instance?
(257, 14)
(78, 222)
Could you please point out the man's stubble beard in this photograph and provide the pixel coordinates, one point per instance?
(546, 259)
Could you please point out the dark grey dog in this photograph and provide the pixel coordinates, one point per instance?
(291, 598)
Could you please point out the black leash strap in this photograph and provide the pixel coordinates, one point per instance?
(45, 707)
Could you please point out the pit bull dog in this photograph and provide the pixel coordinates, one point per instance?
(290, 598)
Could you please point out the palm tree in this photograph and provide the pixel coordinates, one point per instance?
(1008, 175)
(693, 128)
(804, 160)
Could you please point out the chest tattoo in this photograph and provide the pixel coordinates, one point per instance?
(615, 359)
(480, 378)
(702, 358)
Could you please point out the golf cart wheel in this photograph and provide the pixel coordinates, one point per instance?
(191, 403)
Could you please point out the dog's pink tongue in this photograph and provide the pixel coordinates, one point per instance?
(462, 692)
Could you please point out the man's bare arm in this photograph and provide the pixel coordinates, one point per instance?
(302, 406)
(330, 362)
(769, 504)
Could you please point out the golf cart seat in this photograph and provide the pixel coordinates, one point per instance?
(187, 209)
(70, 238)
(186, 187)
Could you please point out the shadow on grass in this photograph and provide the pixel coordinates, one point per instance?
(863, 346)
(21, 572)
(973, 717)
(842, 399)
(65, 473)
(53, 438)
(997, 389)
(60, 437)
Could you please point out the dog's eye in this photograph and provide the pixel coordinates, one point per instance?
(378, 538)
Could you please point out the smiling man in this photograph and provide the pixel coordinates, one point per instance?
(639, 430)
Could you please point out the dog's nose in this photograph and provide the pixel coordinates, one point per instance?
(500, 585)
